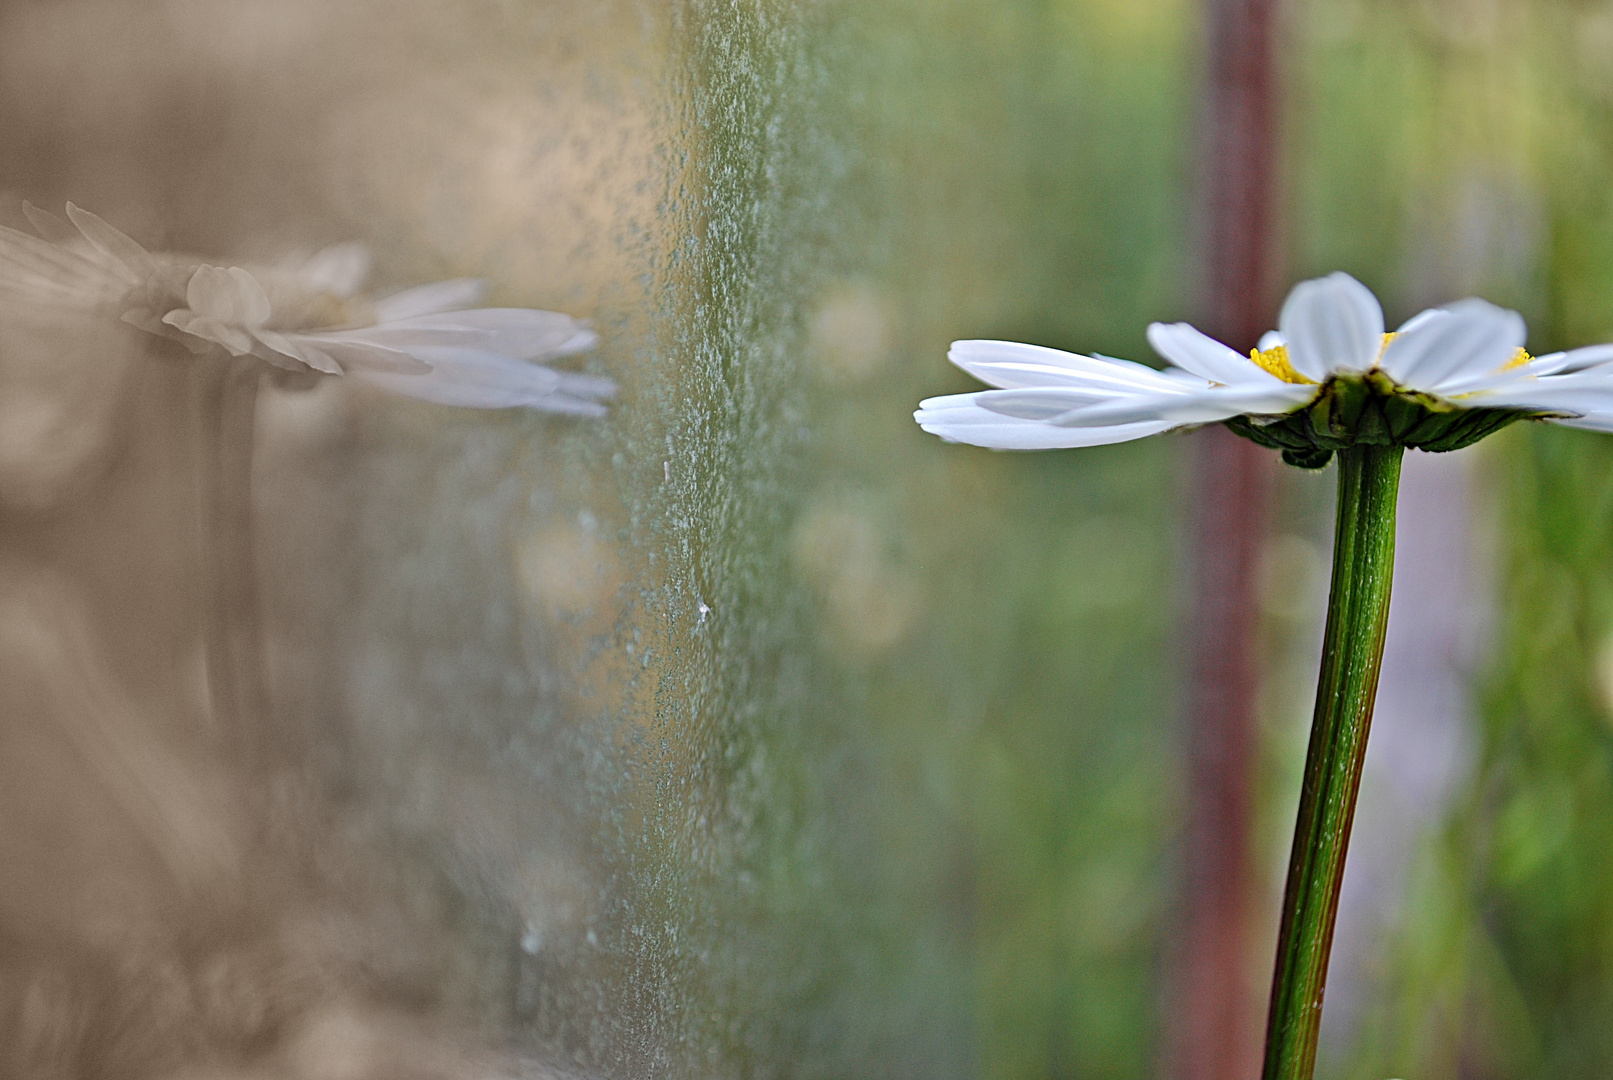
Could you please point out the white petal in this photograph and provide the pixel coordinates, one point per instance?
(1048, 402)
(430, 299)
(231, 296)
(1204, 356)
(1025, 365)
(957, 419)
(1203, 406)
(1465, 340)
(1581, 392)
(1575, 360)
(1012, 364)
(1331, 324)
(1271, 339)
(1592, 421)
(1419, 319)
(1551, 363)
(1598, 358)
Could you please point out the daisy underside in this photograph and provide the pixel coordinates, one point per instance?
(1371, 409)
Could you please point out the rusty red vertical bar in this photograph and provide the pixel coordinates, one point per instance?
(1216, 1016)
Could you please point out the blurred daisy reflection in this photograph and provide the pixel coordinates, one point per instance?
(306, 315)
(290, 675)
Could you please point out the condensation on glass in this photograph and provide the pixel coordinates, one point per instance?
(324, 710)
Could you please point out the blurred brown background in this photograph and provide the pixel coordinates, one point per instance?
(335, 873)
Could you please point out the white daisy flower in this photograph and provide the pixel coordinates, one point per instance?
(1327, 379)
(307, 315)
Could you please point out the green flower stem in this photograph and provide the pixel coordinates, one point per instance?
(1352, 653)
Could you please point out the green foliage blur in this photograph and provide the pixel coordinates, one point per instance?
(1468, 148)
(1003, 626)
(997, 635)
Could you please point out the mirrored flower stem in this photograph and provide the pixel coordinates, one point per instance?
(1352, 654)
(227, 396)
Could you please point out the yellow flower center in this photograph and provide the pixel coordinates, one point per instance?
(1519, 358)
(1275, 361)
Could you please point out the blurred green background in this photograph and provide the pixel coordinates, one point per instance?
(985, 741)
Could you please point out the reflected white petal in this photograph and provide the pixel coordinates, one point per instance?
(522, 332)
(1465, 340)
(48, 225)
(430, 299)
(230, 295)
(1331, 324)
(423, 343)
(487, 380)
(284, 351)
(356, 354)
(581, 385)
(232, 337)
(37, 271)
(339, 269)
(117, 247)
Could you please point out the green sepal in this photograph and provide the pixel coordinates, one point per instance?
(1307, 459)
(1372, 410)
